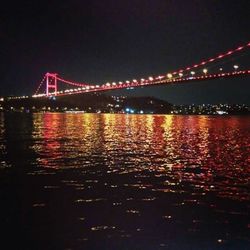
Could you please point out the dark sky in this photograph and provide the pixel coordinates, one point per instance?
(110, 40)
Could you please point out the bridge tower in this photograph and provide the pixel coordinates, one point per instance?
(51, 84)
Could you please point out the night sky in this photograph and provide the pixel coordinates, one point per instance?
(111, 40)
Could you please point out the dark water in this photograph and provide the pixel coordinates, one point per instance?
(91, 181)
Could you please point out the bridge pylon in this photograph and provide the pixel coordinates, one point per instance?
(51, 84)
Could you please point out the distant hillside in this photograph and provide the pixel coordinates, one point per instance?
(90, 102)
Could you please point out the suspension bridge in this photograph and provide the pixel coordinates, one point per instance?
(223, 65)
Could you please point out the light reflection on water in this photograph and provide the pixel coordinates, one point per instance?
(130, 181)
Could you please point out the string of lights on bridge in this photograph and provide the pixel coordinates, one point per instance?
(187, 74)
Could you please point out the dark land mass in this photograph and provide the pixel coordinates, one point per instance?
(90, 102)
(102, 103)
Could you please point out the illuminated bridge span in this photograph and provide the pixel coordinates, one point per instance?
(222, 66)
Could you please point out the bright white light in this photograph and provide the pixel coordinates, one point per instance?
(180, 75)
(151, 78)
(169, 75)
(236, 67)
(192, 73)
(205, 71)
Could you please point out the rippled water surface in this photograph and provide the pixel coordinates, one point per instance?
(106, 181)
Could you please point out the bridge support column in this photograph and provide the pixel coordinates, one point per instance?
(51, 84)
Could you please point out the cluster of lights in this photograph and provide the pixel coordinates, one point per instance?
(38, 95)
(212, 76)
(133, 82)
(228, 53)
(129, 110)
(132, 111)
(205, 70)
(17, 97)
(41, 83)
(88, 88)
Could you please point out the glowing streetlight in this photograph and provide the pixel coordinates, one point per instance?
(192, 73)
(236, 67)
(151, 78)
(205, 71)
(180, 74)
(169, 75)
